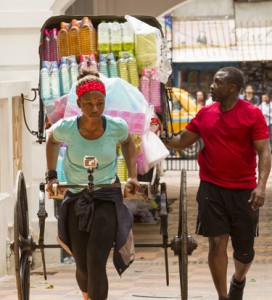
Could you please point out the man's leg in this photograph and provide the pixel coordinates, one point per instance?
(238, 280)
(240, 270)
(243, 256)
(218, 262)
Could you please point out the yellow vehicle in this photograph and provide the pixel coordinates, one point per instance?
(181, 115)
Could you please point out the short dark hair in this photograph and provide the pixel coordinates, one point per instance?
(234, 76)
(266, 94)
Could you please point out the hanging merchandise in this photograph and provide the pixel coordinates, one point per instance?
(45, 87)
(88, 61)
(153, 152)
(82, 62)
(147, 43)
(122, 66)
(133, 71)
(73, 69)
(64, 76)
(93, 38)
(71, 108)
(155, 90)
(92, 62)
(102, 65)
(87, 37)
(55, 80)
(128, 37)
(164, 69)
(115, 38)
(151, 49)
(145, 85)
(46, 46)
(74, 39)
(54, 53)
(103, 34)
(63, 40)
(112, 66)
(125, 101)
(123, 98)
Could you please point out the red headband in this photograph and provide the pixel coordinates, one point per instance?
(90, 86)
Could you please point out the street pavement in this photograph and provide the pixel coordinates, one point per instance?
(145, 278)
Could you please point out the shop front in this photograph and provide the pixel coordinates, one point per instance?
(201, 47)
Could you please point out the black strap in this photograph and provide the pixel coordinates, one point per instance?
(104, 121)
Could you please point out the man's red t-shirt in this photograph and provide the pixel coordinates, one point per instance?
(228, 158)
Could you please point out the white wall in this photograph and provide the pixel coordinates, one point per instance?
(10, 93)
(253, 12)
(20, 24)
(204, 8)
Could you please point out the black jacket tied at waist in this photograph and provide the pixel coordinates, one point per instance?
(84, 208)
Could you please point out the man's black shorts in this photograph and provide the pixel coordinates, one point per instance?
(225, 211)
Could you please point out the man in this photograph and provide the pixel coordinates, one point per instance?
(250, 97)
(266, 108)
(233, 131)
(200, 99)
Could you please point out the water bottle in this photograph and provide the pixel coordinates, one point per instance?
(155, 90)
(74, 39)
(63, 40)
(112, 66)
(122, 67)
(46, 46)
(60, 165)
(64, 76)
(73, 69)
(93, 62)
(82, 62)
(128, 37)
(45, 82)
(54, 53)
(88, 61)
(55, 80)
(103, 33)
(116, 38)
(145, 85)
(102, 65)
(93, 38)
(87, 37)
(133, 71)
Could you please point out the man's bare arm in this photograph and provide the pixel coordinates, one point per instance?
(183, 140)
(264, 166)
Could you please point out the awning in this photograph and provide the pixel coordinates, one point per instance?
(220, 40)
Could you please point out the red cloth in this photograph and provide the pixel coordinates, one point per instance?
(228, 158)
(90, 86)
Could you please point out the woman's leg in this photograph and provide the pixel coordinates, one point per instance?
(102, 236)
(79, 244)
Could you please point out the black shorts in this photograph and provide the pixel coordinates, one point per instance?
(225, 211)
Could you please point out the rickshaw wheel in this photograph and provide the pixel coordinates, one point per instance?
(22, 241)
(164, 227)
(182, 236)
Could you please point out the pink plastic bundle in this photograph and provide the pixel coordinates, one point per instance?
(60, 106)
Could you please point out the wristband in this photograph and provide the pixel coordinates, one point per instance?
(51, 174)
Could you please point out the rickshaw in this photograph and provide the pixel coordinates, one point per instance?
(24, 245)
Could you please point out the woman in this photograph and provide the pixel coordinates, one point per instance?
(90, 224)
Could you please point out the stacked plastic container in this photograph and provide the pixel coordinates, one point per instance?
(113, 49)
